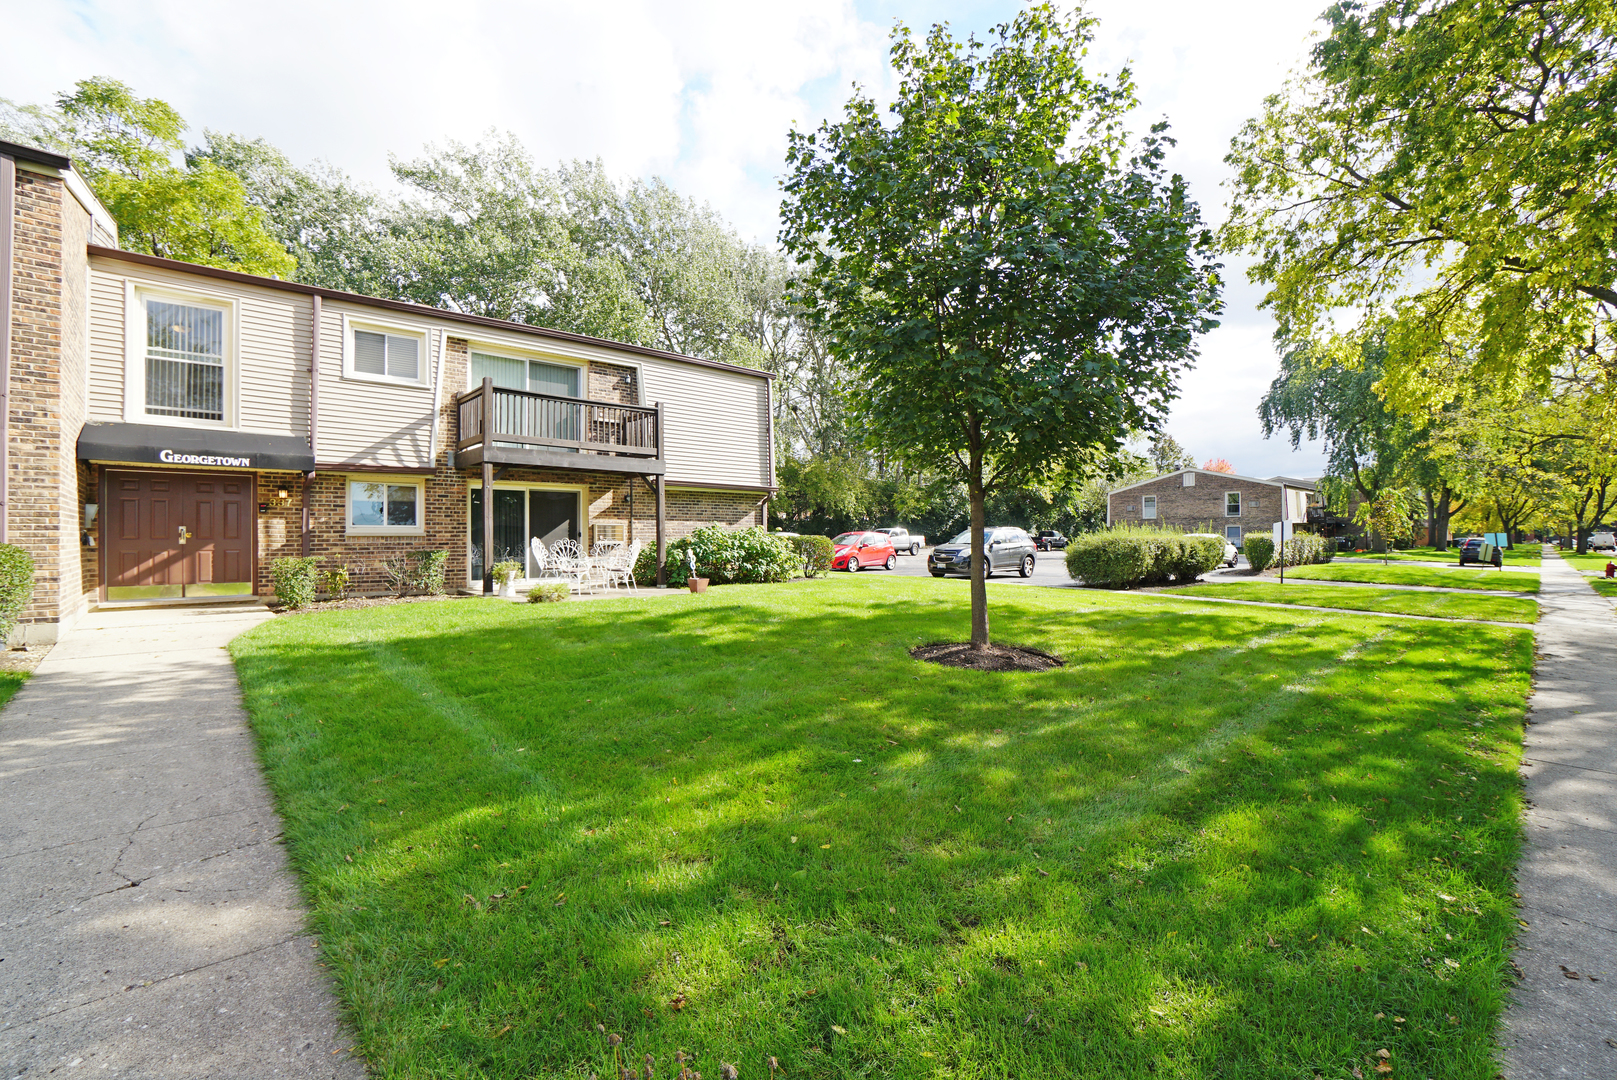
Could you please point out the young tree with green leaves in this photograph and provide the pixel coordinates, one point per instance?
(1015, 289)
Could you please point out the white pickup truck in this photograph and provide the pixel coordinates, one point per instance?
(904, 542)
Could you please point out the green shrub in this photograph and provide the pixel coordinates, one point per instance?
(549, 592)
(16, 586)
(815, 551)
(506, 570)
(335, 582)
(427, 571)
(747, 556)
(1133, 555)
(295, 579)
(1304, 549)
(1259, 551)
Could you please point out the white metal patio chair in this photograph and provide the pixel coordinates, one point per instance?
(544, 565)
(620, 568)
(571, 563)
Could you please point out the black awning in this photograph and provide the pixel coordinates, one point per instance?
(198, 448)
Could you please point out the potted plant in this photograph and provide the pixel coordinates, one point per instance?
(697, 584)
(505, 575)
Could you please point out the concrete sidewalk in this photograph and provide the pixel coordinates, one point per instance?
(1563, 1021)
(149, 925)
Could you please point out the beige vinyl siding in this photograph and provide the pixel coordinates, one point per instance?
(715, 423)
(106, 347)
(373, 423)
(271, 346)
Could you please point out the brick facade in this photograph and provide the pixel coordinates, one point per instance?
(1200, 508)
(49, 317)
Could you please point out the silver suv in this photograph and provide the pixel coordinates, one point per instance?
(1007, 548)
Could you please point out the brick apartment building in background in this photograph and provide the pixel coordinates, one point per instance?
(169, 429)
(1196, 500)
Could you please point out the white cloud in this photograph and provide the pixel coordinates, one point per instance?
(701, 93)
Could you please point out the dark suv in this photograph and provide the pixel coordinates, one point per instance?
(1007, 548)
(1472, 548)
(1049, 540)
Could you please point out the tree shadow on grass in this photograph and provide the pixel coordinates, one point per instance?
(736, 827)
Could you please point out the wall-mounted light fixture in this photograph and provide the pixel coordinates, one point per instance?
(282, 493)
(90, 511)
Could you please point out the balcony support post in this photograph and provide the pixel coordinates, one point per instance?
(662, 543)
(488, 517)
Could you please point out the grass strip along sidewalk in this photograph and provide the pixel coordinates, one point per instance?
(1522, 555)
(1417, 575)
(1222, 841)
(1399, 601)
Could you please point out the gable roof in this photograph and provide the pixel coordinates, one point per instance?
(1273, 481)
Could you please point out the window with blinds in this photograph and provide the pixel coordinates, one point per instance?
(185, 361)
(391, 356)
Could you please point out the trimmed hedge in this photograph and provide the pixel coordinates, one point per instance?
(1134, 556)
(816, 552)
(1259, 551)
(16, 587)
(747, 556)
(295, 580)
(1301, 550)
(427, 571)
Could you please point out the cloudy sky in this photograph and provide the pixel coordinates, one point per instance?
(699, 92)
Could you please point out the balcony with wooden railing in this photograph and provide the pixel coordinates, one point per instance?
(500, 426)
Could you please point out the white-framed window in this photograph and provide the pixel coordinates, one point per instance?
(1232, 533)
(1190, 479)
(1148, 506)
(180, 365)
(378, 352)
(386, 506)
(1232, 504)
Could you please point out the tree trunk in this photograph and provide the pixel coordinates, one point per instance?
(1431, 520)
(979, 554)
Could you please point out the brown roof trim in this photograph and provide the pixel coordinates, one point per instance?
(36, 155)
(694, 485)
(413, 309)
(358, 467)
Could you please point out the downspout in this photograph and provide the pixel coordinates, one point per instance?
(8, 195)
(314, 423)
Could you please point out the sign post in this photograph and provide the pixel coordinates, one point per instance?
(1282, 532)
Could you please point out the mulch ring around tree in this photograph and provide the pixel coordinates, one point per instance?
(993, 658)
(356, 603)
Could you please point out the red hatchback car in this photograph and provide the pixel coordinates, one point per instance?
(857, 550)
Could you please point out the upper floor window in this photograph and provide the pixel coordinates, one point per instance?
(185, 360)
(1232, 504)
(1148, 506)
(386, 354)
(393, 355)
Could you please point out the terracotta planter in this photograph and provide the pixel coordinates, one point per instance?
(697, 584)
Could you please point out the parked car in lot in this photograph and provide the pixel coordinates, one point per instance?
(1230, 554)
(1473, 549)
(1006, 547)
(1049, 540)
(904, 542)
(853, 551)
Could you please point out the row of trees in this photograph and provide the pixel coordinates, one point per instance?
(1430, 202)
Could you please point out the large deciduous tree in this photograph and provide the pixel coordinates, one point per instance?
(128, 149)
(1449, 164)
(1014, 286)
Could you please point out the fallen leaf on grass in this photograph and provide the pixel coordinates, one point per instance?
(824, 846)
(502, 1031)
(1451, 963)
(839, 1030)
(677, 1002)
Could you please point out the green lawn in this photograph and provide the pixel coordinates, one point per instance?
(1448, 578)
(1589, 563)
(1442, 605)
(1222, 842)
(10, 683)
(1521, 555)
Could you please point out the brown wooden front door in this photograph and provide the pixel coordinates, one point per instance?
(173, 534)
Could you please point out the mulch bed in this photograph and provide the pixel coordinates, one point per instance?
(355, 603)
(993, 658)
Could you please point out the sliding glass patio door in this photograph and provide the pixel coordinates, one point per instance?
(519, 516)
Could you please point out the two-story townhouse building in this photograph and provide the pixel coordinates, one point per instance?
(169, 429)
(1197, 500)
